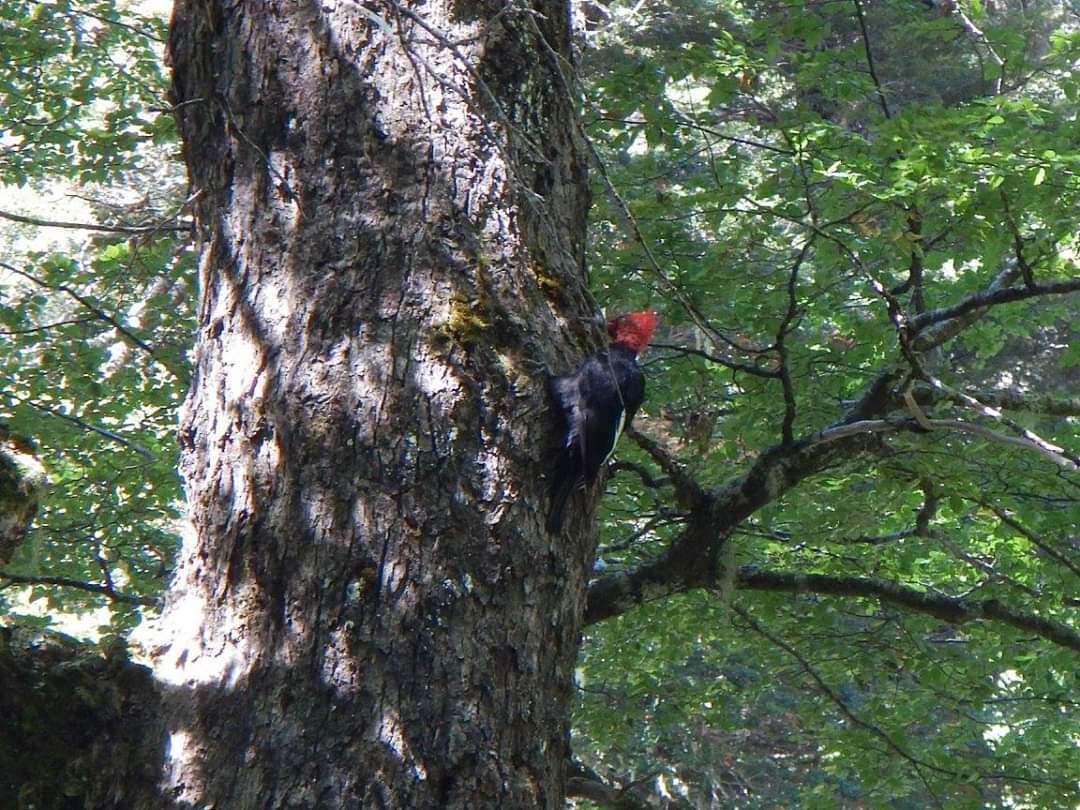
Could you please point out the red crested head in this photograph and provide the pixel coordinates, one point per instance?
(633, 330)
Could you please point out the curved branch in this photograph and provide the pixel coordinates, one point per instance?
(688, 492)
(647, 478)
(92, 587)
(695, 557)
(1008, 401)
(995, 294)
(951, 609)
(885, 426)
(1047, 448)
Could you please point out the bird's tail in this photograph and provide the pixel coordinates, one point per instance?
(560, 493)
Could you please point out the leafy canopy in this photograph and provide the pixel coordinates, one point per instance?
(95, 325)
(806, 180)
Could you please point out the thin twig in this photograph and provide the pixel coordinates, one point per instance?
(90, 226)
(870, 59)
(1035, 539)
(916, 763)
(47, 326)
(104, 432)
(712, 358)
(100, 314)
(885, 426)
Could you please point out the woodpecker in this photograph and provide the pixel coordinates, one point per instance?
(597, 402)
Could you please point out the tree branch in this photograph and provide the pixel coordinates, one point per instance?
(870, 59)
(1005, 400)
(1059, 454)
(92, 587)
(89, 226)
(640, 471)
(102, 315)
(688, 492)
(950, 609)
(585, 783)
(1033, 538)
(695, 558)
(104, 432)
(712, 358)
(886, 426)
(787, 428)
(993, 295)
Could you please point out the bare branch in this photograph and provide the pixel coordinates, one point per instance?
(887, 426)
(690, 123)
(92, 587)
(1047, 448)
(137, 230)
(976, 304)
(1005, 400)
(712, 358)
(950, 609)
(979, 36)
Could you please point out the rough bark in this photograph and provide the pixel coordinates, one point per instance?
(368, 612)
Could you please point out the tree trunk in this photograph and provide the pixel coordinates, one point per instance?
(391, 207)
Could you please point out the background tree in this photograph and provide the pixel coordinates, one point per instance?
(96, 309)
(838, 569)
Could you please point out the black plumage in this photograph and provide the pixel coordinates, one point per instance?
(597, 403)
